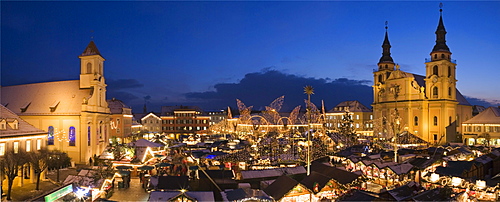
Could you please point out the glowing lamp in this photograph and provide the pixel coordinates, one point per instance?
(481, 184)
(434, 177)
(455, 181)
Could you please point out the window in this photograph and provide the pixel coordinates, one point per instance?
(50, 136)
(442, 56)
(435, 92)
(117, 121)
(449, 71)
(449, 120)
(72, 136)
(16, 147)
(357, 125)
(380, 78)
(435, 137)
(88, 136)
(416, 120)
(435, 70)
(89, 68)
(2, 149)
(449, 91)
(371, 117)
(3, 124)
(357, 117)
(28, 145)
(435, 120)
(38, 144)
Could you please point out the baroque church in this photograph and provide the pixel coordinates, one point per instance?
(428, 106)
(74, 113)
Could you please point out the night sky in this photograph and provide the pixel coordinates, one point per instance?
(211, 53)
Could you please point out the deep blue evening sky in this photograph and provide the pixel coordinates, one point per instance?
(211, 53)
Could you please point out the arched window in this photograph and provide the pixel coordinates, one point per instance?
(72, 136)
(435, 56)
(435, 70)
(435, 120)
(100, 69)
(435, 92)
(442, 56)
(416, 120)
(449, 91)
(449, 71)
(50, 136)
(89, 68)
(88, 136)
(380, 78)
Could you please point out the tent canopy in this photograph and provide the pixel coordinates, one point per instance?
(144, 143)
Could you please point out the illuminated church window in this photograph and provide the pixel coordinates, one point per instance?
(50, 136)
(72, 136)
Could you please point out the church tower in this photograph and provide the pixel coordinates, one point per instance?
(92, 77)
(440, 68)
(385, 66)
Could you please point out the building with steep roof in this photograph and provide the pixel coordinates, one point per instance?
(361, 116)
(483, 128)
(74, 113)
(120, 119)
(423, 105)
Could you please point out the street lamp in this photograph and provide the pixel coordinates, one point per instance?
(309, 90)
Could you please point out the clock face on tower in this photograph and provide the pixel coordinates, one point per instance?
(435, 79)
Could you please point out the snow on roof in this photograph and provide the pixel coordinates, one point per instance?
(489, 116)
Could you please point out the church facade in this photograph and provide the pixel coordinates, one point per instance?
(428, 106)
(74, 113)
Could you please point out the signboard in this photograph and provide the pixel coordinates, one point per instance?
(59, 193)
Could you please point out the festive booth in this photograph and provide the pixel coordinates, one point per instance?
(286, 189)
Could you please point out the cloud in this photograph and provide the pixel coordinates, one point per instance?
(115, 85)
(123, 96)
(259, 89)
(481, 102)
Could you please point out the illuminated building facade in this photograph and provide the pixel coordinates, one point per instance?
(74, 113)
(426, 105)
(16, 135)
(178, 121)
(483, 129)
(361, 116)
(151, 123)
(120, 120)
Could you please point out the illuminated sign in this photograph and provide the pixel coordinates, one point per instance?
(59, 193)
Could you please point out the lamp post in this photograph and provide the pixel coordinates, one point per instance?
(309, 90)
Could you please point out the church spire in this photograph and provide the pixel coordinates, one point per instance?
(441, 34)
(386, 61)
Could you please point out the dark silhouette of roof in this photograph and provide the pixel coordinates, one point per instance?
(173, 182)
(341, 176)
(455, 168)
(280, 187)
(91, 50)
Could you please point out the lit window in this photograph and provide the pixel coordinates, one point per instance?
(357, 117)
(28, 145)
(38, 144)
(371, 117)
(72, 136)
(16, 147)
(2, 149)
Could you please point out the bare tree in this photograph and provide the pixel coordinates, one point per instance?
(39, 161)
(11, 165)
(57, 160)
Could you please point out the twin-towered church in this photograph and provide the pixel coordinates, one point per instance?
(76, 116)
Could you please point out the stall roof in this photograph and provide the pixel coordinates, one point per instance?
(144, 143)
(168, 195)
(254, 174)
